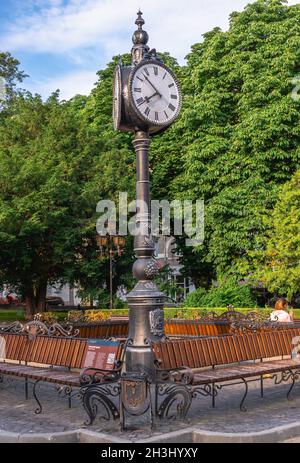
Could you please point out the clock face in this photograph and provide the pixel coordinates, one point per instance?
(117, 98)
(155, 93)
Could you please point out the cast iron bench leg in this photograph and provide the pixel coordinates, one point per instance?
(39, 409)
(293, 375)
(213, 395)
(242, 408)
(68, 392)
(26, 388)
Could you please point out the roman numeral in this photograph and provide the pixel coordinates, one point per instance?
(138, 89)
(171, 107)
(174, 97)
(164, 75)
(171, 85)
(155, 68)
(147, 111)
(156, 115)
(139, 78)
(166, 114)
(139, 101)
(146, 71)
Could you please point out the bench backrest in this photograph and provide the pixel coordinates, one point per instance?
(48, 350)
(181, 327)
(105, 329)
(222, 350)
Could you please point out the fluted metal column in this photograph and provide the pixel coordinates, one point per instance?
(146, 320)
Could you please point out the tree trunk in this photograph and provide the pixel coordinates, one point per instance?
(35, 301)
(30, 307)
(41, 297)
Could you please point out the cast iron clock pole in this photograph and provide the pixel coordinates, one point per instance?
(147, 100)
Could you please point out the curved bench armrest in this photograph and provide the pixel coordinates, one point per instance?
(92, 375)
(182, 374)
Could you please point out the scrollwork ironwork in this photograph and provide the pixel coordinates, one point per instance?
(95, 375)
(284, 377)
(15, 327)
(98, 394)
(56, 329)
(36, 328)
(181, 374)
(177, 402)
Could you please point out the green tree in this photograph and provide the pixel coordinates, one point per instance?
(278, 265)
(58, 160)
(46, 201)
(10, 77)
(237, 140)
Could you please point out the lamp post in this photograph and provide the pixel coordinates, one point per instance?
(110, 245)
(147, 100)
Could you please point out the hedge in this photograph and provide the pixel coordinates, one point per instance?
(170, 312)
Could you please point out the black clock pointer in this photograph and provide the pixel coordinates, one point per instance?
(152, 85)
(149, 97)
(144, 101)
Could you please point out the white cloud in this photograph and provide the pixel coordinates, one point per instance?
(89, 32)
(173, 25)
(70, 84)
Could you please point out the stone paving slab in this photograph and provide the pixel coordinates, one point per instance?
(18, 422)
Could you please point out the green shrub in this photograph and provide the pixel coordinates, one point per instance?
(97, 315)
(229, 292)
(196, 298)
(75, 316)
(119, 303)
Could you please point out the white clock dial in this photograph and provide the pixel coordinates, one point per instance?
(155, 93)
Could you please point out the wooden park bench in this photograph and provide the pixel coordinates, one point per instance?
(65, 361)
(186, 369)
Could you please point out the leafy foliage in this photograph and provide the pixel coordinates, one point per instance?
(278, 264)
(11, 75)
(228, 292)
(237, 140)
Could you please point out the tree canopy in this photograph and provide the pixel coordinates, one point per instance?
(238, 136)
(277, 265)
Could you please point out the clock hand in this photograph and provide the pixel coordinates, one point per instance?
(151, 85)
(149, 97)
(146, 99)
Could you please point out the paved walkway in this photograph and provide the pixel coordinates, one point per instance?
(17, 415)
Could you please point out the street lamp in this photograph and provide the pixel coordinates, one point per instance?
(110, 245)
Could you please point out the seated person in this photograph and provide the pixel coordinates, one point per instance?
(280, 313)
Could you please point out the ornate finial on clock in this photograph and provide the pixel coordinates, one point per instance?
(140, 39)
(139, 21)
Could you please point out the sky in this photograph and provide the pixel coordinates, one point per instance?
(61, 44)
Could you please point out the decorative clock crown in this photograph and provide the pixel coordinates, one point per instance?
(140, 39)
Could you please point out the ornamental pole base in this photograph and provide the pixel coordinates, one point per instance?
(146, 325)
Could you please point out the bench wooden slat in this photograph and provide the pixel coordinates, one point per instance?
(203, 352)
(171, 355)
